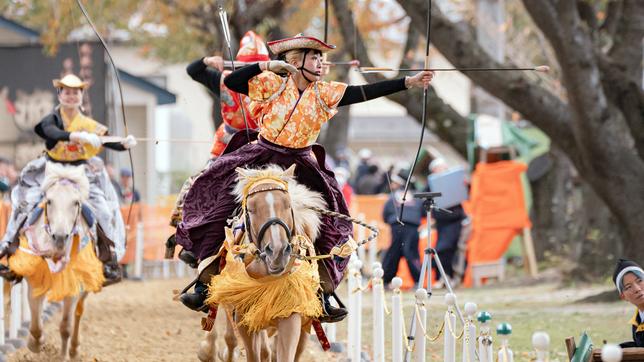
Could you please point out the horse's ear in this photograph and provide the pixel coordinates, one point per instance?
(242, 172)
(290, 172)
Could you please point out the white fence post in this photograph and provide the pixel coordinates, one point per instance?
(449, 352)
(373, 250)
(421, 301)
(2, 314)
(180, 268)
(504, 330)
(351, 284)
(362, 234)
(16, 301)
(357, 320)
(541, 343)
(26, 312)
(138, 252)
(166, 268)
(378, 314)
(396, 321)
(486, 350)
(469, 334)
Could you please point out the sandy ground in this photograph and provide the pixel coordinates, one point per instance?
(137, 321)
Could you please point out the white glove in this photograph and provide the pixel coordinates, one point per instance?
(279, 66)
(129, 142)
(85, 137)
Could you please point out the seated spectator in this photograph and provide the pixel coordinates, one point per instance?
(629, 280)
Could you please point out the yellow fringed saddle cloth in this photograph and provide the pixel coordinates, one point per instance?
(261, 301)
(83, 272)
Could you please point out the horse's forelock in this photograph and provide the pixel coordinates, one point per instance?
(248, 175)
(55, 173)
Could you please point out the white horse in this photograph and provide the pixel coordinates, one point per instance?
(57, 256)
(279, 219)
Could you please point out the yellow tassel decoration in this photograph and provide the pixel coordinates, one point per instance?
(83, 272)
(261, 301)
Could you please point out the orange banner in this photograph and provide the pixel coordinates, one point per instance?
(498, 211)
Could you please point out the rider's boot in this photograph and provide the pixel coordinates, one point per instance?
(111, 271)
(332, 314)
(6, 250)
(196, 301)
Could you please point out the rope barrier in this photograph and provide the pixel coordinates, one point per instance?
(451, 329)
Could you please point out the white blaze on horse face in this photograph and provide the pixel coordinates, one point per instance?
(62, 211)
(270, 200)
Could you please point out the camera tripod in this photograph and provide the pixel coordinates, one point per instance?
(426, 268)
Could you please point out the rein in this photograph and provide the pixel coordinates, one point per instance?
(252, 189)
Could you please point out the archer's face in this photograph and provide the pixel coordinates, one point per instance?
(70, 97)
(313, 62)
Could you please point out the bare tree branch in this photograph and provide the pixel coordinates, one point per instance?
(627, 47)
(447, 124)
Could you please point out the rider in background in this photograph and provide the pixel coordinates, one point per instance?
(293, 104)
(210, 72)
(72, 138)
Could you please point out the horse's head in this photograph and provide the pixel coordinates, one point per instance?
(269, 218)
(65, 189)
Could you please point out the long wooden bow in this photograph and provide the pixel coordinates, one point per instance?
(118, 82)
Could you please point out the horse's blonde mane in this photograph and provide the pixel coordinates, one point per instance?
(307, 221)
(55, 172)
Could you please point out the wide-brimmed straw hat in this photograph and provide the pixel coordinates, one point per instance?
(299, 41)
(70, 81)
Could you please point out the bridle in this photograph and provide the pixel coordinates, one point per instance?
(260, 186)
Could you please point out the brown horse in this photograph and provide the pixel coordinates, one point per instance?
(56, 255)
(266, 284)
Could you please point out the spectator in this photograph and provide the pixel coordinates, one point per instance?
(342, 159)
(370, 183)
(109, 168)
(342, 176)
(629, 280)
(404, 241)
(363, 166)
(8, 175)
(448, 226)
(128, 194)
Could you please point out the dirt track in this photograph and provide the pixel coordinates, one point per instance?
(136, 321)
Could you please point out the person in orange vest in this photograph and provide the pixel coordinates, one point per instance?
(210, 72)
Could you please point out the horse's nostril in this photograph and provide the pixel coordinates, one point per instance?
(288, 249)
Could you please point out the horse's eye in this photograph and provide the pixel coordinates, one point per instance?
(48, 202)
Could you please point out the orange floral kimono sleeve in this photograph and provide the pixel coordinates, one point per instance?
(330, 94)
(262, 89)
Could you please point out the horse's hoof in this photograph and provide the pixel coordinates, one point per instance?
(205, 352)
(226, 355)
(34, 344)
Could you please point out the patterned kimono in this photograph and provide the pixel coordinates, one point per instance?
(289, 124)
